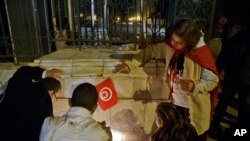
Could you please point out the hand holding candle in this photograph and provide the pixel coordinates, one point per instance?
(186, 84)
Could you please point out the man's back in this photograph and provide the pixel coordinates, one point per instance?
(76, 125)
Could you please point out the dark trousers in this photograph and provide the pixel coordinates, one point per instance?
(244, 104)
(243, 121)
(229, 89)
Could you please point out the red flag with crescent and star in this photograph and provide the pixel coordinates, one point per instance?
(107, 95)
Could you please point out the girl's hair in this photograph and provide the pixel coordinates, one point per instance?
(189, 30)
(174, 127)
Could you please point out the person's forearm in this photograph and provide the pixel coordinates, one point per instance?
(207, 82)
(157, 51)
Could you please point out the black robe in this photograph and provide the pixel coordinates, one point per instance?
(25, 106)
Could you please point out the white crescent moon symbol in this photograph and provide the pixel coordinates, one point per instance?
(105, 94)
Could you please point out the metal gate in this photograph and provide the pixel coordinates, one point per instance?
(31, 28)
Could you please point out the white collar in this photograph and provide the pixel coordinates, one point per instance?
(201, 42)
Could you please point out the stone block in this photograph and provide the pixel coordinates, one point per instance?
(5, 75)
(140, 84)
(86, 71)
(154, 71)
(154, 64)
(155, 85)
(138, 73)
(149, 115)
(56, 63)
(111, 72)
(112, 63)
(127, 116)
(87, 63)
(9, 66)
(71, 82)
(123, 86)
(87, 56)
(58, 56)
(101, 115)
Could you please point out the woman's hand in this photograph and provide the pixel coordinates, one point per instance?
(123, 68)
(55, 73)
(186, 85)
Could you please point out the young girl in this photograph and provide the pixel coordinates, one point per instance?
(171, 125)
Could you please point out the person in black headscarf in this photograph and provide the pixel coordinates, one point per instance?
(26, 102)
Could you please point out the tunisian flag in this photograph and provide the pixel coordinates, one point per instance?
(107, 94)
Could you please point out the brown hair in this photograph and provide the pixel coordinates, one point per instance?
(189, 30)
(174, 127)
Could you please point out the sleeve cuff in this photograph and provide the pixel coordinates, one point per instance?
(134, 64)
(44, 74)
(195, 89)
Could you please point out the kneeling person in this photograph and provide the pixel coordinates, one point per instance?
(77, 123)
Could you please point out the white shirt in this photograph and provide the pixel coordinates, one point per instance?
(180, 97)
(76, 125)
